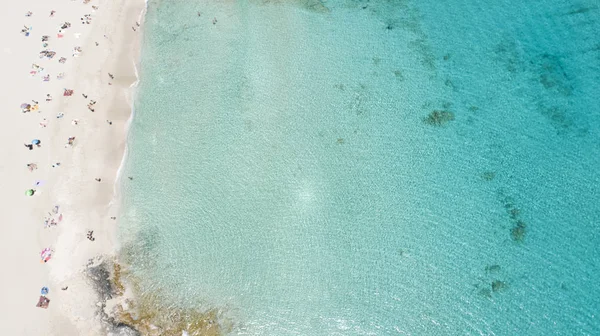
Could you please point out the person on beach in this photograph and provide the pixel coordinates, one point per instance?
(52, 12)
(70, 142)
(98, 179)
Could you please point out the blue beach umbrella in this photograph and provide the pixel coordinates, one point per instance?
(35, 142)
(44, 290)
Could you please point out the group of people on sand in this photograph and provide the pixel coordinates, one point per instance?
(54, 217)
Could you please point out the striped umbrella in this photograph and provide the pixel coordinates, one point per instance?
(46, 254)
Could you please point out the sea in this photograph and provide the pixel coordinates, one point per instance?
(364, 167)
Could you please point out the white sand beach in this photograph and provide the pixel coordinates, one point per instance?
(92, 54)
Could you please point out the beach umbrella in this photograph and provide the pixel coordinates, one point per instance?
(45, 290)
(46, 254)
(30, 192)
(25, 106)
(35, 142)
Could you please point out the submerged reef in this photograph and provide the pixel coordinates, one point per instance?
(439, 118)
(148, 314)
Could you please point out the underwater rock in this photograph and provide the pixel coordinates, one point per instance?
(492, 268)
(553, 76)
(510, 56)
(398, 74)
(514, 213)
(488, 175)
(518, 231)
(498, 285)
(439, 118)
(340, 87)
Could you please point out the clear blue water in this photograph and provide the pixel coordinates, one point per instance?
(284, 171)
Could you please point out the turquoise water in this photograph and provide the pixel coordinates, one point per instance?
(286, 171)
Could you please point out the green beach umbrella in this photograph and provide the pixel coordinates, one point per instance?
(30, 192)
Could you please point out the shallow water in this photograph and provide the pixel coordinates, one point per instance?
(397, 167)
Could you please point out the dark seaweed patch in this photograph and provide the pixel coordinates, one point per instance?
(553, 76)
(558, 118)
(488, 175)
(519, 227)
(498, 286)
(581, 10)
(509, 55)
(439, 118)
(398, 75)
(518, 231)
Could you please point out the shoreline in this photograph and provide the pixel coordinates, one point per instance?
(111, 152)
